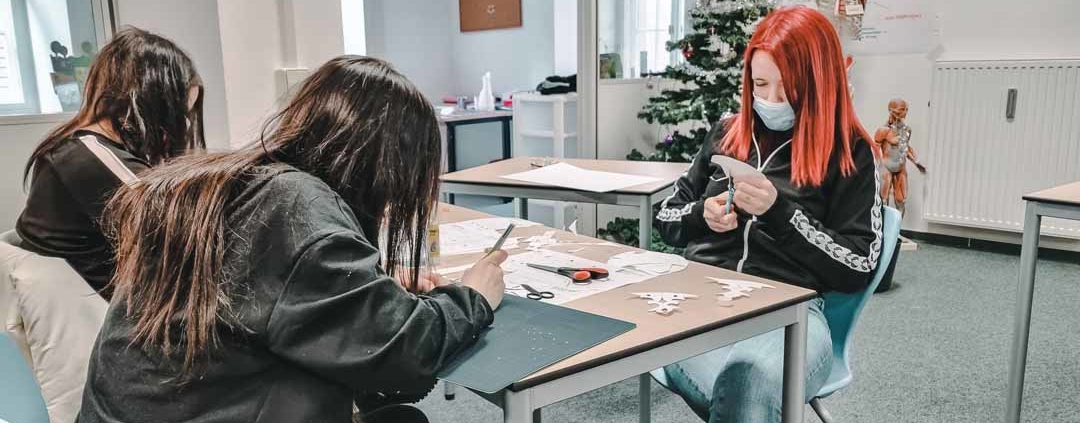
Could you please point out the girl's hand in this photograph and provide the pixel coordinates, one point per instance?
(754, 195)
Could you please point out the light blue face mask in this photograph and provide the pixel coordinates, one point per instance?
(775, 116)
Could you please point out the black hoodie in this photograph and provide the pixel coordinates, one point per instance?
(825, 238)
(313, 320)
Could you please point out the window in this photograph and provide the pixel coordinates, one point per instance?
(45, 51)
(633, 36)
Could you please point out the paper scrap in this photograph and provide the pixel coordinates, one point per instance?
(537, 242)
(649, 263)
(473, 236)
(737, 288)
(665, 302)
(570, 176)
(734, 168)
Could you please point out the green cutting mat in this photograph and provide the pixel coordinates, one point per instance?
(528, 336)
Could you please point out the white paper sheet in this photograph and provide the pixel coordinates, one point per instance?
(735, 168)
(573, 177)
(649, 263)
(518, 272)
(473, 236)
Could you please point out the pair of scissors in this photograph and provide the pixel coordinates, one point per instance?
(730, 196)
(578, 275)
(537, 295)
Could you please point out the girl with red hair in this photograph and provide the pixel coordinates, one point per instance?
(813, 220)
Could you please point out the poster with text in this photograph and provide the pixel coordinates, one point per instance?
(894, 27)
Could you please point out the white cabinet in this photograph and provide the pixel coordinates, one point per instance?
(546, 126)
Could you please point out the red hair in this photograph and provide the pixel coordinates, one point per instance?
(807, 51)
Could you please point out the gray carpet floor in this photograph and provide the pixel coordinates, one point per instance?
(935, 349)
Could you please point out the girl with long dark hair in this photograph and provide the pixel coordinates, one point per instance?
(143, 106)
(250, 285)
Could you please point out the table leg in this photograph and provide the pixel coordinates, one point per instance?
(795, 368)
(521, 208)
(644, 398)
(506, 148)
(645, 217)
(1029, 254)
(517, 407)
(451, 153)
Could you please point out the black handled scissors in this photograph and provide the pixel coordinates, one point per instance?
(578, 275)
(537, 295)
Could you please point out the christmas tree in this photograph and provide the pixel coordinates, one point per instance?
(708, 85)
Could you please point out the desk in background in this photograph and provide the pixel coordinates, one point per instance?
(462, 118)
(486, 180)
(700, 325)
(1061, 202)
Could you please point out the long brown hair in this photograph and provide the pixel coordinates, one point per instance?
(139, 82)
(355, 123)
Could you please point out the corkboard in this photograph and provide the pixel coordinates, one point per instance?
(480, 15)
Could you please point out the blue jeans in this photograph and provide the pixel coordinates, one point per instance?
(743, 382)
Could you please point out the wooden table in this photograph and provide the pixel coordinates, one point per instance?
(1060, 202)
(487, 180)
(462, 118)
(700, 325)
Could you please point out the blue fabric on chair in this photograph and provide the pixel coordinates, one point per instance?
(20, 397)
(842, 310)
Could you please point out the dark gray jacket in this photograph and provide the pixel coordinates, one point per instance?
(314, 321)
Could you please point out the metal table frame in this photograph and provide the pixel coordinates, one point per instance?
(644, 202)
(1035, 210)
(451, 136)
(523, 405)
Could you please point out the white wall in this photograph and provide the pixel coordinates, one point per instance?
(317, 25)
(257, 39)
(423, 39)
(193, 25)
(565, 42)
(415, 36)
(518, 58)
(250, 53)
(618, 130)
(969, 30)
(19, 141)
(353, 28)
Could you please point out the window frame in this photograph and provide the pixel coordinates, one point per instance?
(630, 30)
(104, 27)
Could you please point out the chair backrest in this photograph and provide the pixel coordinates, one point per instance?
(842, 309)
(20, 396)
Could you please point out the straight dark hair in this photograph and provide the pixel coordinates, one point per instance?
(355, 123)
(139, 82)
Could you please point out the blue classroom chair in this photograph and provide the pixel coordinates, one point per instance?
(842, 312)
(20, 396)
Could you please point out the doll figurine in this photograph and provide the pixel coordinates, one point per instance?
(893, 142)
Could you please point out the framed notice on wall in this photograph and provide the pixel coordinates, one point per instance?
(480, 15)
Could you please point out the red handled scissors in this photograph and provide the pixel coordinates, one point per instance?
(578, 275)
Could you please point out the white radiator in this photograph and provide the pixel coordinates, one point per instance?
(981, 162)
